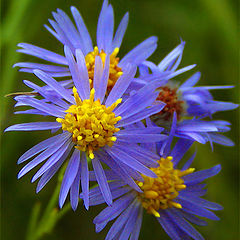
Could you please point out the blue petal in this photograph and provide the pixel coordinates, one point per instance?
(41, 53)
(98, 71)
(50, 109)
(191, 81)
(216, 106)
(196, 126)
(49, 94)
(117, 207)
(120, 222)
(108, 25)
(199, 176)
(83, 73)
(193, 136)
(69, 176)
(146, 157)
(32, 111)
(40, 147)
(61, 35)
(174, 56)
(51, 74)
(166, 147)
(102, 181)
(140, 136)
(95, 192)
(100, 26)
(157, 107)
(202, 202)
(125, 158)
(168, 225)
(121, 85)
(119, 170)
(74, 190)
(98, 199)
(44, 67)
(54, 85)
(46, 177)
(137, 103)
(69, 29)
(85, 180)
(120, 32)
(193, 191)
(137, 228)
(197, 210)
(104, 79)
(52, 160)
(110, 175)
(34, 126)
(43, 156)
(83, 32)
(131, 172)
(220, 139)
(193, 219)
(176, 217)
(214, 87)
(180, 71)
(76, 76)
(189, 162)
(53, 32)
(140, 52)
(180, 148)
(131, 223)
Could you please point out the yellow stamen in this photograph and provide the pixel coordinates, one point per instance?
(92, 125)
(114, 105)
(159, 193)
(154, 212)
(114, 71)
(176, 205)
(151, 194)
(114, 139)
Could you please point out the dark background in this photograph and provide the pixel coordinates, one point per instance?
(209, 28)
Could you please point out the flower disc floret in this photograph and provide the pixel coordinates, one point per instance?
(91, 124)
(159, 193)
(114, 71)
(171, 97)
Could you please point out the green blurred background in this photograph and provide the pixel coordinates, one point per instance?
(209, 28)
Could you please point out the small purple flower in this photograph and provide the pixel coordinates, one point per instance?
(77, 38)
(174, 197)
(187, 100)
(193, 105)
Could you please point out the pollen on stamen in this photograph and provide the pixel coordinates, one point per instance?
(114, 71)
(161, 192)
(91, 124)
(169, 96)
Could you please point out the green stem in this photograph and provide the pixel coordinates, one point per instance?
(50, 217)
(33, 221)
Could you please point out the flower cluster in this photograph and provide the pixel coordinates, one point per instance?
(115, 127)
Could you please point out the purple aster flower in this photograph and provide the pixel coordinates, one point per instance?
(192, 104)
(93, 129)
(78, 38)
(174, 197)
(187, 99)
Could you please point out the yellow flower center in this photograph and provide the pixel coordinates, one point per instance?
(114, 71)
(159, 193)
(91, 124)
